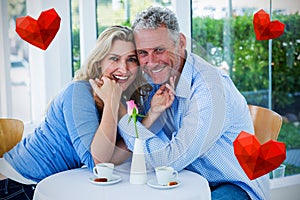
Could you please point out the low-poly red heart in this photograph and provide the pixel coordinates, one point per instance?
(264, 29)
(41, 32)
(256, 159)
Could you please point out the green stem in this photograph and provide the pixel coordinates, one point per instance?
(136, 131)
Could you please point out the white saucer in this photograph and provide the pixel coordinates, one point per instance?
(153, 183)
(115, 179)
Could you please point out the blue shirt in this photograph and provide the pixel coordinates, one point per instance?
(198, 130)
(62, 140)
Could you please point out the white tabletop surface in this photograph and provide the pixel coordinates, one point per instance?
(75, 185)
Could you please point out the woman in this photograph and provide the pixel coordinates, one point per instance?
(74, 131)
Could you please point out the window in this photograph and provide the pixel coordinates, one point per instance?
(223, 33)
(34, 77)
(108, 13)
(118, 12)
(122, 12)
(75, 36)
(19, 66)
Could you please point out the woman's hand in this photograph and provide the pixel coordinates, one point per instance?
(162, 100)
(98, 101)
(107, 90)
(122, 111)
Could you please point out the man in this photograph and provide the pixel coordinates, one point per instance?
(197, 132)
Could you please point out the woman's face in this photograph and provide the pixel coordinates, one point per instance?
(121, 63)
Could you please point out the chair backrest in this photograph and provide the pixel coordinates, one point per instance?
(267, 123)
(11, 132)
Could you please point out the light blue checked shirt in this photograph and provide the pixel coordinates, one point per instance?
(198, 131)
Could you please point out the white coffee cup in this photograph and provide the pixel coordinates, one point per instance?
(104, 170)
(165, 174)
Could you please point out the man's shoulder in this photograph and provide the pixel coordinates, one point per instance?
(196, 59)
(199, 64)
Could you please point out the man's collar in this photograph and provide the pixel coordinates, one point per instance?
(185, 80)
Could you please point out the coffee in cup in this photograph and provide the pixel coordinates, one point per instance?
(165, 174)
(104, 170)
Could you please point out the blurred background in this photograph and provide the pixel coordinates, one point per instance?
(266, 72)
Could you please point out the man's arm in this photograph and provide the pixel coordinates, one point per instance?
(198, 123)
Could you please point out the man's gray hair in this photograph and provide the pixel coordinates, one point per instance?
(155, 17)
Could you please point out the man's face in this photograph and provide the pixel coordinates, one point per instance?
(158, 54)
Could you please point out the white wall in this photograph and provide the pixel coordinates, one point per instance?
(5, 92)
(88, 30)
(287, 188)
(50, 69)
(183, 12)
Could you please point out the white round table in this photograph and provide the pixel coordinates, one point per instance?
(75, 185)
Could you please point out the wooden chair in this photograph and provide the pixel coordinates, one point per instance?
(267, 123)
(11, 132)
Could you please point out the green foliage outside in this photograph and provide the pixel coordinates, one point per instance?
(286, 58)
(76, 49)
(16, 8)
(290, 135)
(291, 169)
(106, 17)
(249, 57)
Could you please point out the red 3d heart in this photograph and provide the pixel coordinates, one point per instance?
(41, 32)
(264, 29)
(256, 159)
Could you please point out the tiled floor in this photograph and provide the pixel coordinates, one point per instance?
(16, 191)
(2, 177)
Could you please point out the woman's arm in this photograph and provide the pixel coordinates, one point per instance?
(103, 144)
(121, 153)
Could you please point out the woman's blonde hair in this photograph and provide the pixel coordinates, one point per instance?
(92, 67)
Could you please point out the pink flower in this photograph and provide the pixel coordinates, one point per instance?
(133, 112)
(130, 107)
